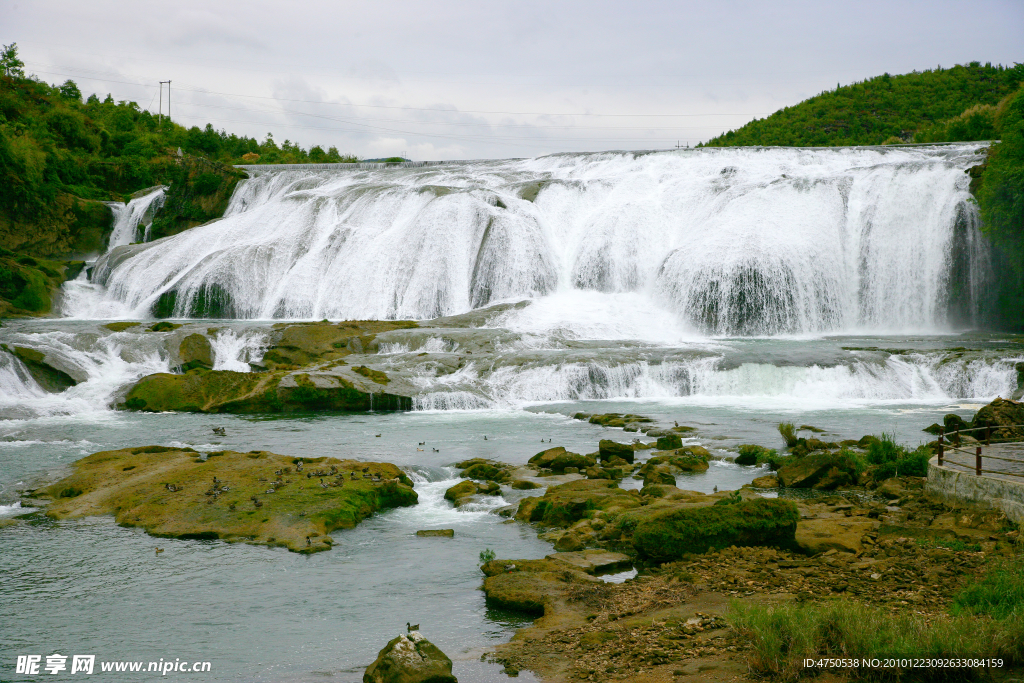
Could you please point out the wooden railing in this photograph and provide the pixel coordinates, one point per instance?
(955, 446)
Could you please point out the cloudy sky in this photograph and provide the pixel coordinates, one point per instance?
(465, 80)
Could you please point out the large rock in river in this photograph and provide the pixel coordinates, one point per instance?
(410, 659)
(608, 449)
(196, 351)
(256, 497)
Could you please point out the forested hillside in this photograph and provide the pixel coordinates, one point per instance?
(928, 106)
(63, 155)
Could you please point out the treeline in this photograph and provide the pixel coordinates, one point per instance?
(928, 106)
(53, 141)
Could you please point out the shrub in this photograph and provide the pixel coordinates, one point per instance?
(788, 432)
(486, 556)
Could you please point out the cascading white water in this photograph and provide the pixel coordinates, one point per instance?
(915, 378)
(128, 217)
(726, 241)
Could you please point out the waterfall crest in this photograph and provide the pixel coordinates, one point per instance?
(736, 241)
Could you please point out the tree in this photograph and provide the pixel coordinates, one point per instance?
(70, 90)
(10, 63)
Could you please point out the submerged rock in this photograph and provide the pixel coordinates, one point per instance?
(439, 533)
(256, 497)
(410, 659)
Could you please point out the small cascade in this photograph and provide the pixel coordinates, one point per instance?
(104, 365)
(233, 351)
(140, 211)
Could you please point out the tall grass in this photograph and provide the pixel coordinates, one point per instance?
(788, 432)
(892, 459)
(783, 636)
(999, 593)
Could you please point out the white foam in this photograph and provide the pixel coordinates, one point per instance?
(616, 245)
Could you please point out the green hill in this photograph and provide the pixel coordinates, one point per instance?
(928, 106)
(62, 157)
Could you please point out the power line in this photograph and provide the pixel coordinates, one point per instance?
(382, 106)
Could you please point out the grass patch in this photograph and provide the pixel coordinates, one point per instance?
(783, 636)
(998, 594)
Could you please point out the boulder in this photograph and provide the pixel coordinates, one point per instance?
(562, 505)
(667, 536)
(825, 471)
(544, 458)
(669, 442)
(482, 469)
(660, 474)
(195, 351)
(769, 481)
(565, 460)
(608, 449)
(524, 485)
(462, 490)
(568, 542)
(1005, 417)
(815, 536)
(750, 453)
(410, 659)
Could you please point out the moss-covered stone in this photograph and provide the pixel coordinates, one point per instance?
(564, 504)
(609, 450)
(670, 535)
(410, 658)
(256, 497)
(195, 351)
(819, 471)
(48, 377)
(28, 284)
(483, 469)
(121, 326)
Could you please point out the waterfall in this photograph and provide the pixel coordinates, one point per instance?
(737, 241)
(128, 217)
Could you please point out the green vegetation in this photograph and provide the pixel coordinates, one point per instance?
(999, 594)
(669, 536)
(486, 555)
(61, 157)
(783, 636)
(932, 104)
(892, 460)
(1001, 199)
(788, 432)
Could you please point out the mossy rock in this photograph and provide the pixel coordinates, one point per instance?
(170, 492)
(410, 658)
(669, 442)
(562, 505)
(224, 391)
(461, 490)
(608, 450)
(163, 326)
(619, 419)
(529, 586)
(373, 375)
(547, 456)
(668, 536)
(48, 377)
(482, 469)
(195, 350)
(524, 485)
(824, 471)
(121, 326)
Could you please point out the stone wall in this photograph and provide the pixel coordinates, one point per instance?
(1001, 494)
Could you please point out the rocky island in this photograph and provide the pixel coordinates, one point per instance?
(257, 497)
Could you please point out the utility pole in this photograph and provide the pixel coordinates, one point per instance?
(160, 115)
